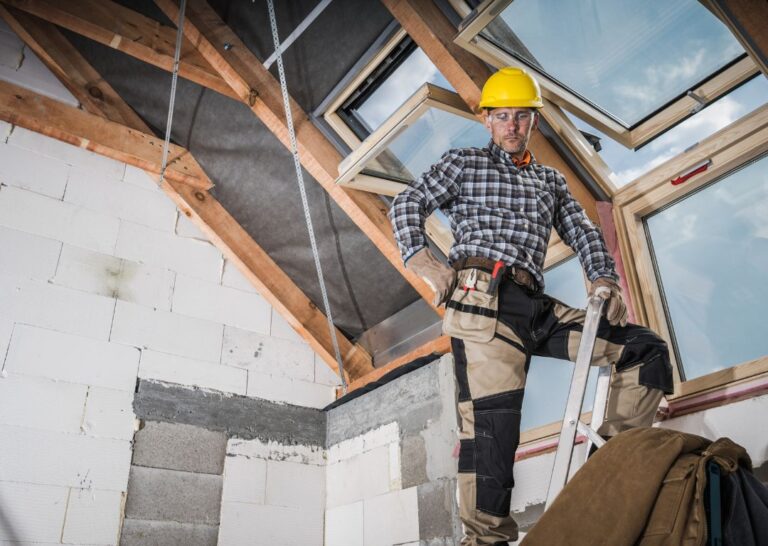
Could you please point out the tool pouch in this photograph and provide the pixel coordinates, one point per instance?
(471, 313)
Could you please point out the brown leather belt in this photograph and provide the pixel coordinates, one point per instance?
(515, 274)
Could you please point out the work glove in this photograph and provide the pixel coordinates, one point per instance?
(437, 275)
(615, 308)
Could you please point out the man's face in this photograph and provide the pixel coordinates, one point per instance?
(511, 128)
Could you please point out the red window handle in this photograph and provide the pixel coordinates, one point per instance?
(698, 169)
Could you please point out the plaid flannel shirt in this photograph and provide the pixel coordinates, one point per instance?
(499, 211)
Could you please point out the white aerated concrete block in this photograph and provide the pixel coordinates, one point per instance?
(392, 518)
(167, 332)
(31, 171)
(245, 524)
(27, 256)
(275, 451)
(11, 50)
(295, 485)
(72, 460)
(33, 513)
(384, 436)
(6, 330)
(140, 178)
(112, 277)
(27, 211)
(55, 307)
(20, 403)
(245, 479)
(324, 375)
(344, 525)
(283, 389)
(186, 371)
(97, 164)
(109, 414)
(186, 228)
(45, 353)
(5, 131)
(362, 476)
(32, 74)
(164, 249)
(147, 207)
(234, 279)
(93, 517)
(217, 303)
(281, 328)
(267, 355)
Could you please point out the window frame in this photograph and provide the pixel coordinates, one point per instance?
(737, 144)
(470, 38)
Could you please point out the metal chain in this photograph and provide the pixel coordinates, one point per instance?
(302, 191)
(174, 79)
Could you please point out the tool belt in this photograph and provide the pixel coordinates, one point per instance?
(514, 274)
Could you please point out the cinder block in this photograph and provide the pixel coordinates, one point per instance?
(283, 389)
(392, 518)
(164, 249)
(234, 279)
(140, 178)
(344, 525)
(281, 328)
(244, 479)
(128, 202)
(41, 215)
(55, 307)
(115, 278)
(27, 256)
(93, 517)
(100, 165)
(31, 171)
(186, 371)
(34, 75)
(45, 353)
(186, 228)
(167, 533)
(176, 446)
(109, 414)
(324, 375)
(295, 485)
(217, 303)
(71, 460)
(20, 405)
(167, 332)
(360, 477)
(267, 355)
(172, 495)
(36, 512)
(244, 524)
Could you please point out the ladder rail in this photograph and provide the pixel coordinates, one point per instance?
(575, 401)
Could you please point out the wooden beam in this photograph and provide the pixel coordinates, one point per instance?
(27, 109)
(128, 31)
(748, 21)
(73, 71)
(441, 345)
(426, 24)
(243, 72)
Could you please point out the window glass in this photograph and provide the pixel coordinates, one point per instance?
(413, 72)
(711, 257)
(549, 379)
(626, 57)
(422, 143)
(627, 165)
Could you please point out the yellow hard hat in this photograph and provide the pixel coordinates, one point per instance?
(511, 87)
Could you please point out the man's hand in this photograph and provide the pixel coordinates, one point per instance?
(437, 275)
(616, 309)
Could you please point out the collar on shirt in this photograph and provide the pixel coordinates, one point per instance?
(500, 154)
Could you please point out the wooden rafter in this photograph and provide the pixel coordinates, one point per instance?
(434, 34)
(131, 144)
(747, 20)
(128, 31)
(242, 70)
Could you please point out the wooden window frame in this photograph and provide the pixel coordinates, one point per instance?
(730, 148)
(471, 39)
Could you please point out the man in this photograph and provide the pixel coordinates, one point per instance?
(502, 206)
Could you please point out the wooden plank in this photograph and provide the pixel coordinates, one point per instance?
(441, 345)
(747, 21)
(27, 109)
(70, 67)
(243, 72)
(434, 33)
(128, 31)
(51, 118)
